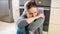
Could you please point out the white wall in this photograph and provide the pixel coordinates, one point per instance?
(54, 24)
(15, 9)
(4, 10)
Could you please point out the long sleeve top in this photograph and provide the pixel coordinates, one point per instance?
(33, 27)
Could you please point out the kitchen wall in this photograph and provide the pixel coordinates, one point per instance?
(54, 24)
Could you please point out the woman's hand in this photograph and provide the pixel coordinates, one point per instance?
(29, 20)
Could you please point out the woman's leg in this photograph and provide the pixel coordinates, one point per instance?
(18, 31)
(21, 31)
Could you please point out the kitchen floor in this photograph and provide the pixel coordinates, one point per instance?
(7, 28)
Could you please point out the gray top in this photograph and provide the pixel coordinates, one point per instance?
(32, 26)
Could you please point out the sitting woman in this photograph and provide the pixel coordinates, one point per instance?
(31, 21)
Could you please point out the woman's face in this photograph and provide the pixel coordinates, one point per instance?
(32, 12)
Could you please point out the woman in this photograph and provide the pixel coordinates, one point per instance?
(30, 22)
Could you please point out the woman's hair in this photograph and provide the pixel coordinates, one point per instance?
(30, 4)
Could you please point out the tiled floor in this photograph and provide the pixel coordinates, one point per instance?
(7, 28)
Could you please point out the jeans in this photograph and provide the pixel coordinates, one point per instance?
(22, 31)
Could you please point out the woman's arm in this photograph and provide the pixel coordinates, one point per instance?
(33, 26)
(21, 22)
